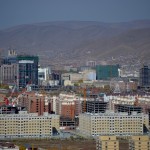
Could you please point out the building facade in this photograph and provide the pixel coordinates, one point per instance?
(139, 143)
(107, 143)
(111, 124)
(24, 125)
(106, 72)
(95, 106)
(128, 108)
(35, 103)
(65, 105)
(8, 73)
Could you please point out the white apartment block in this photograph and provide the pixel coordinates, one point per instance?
(109, 123)
(24, 125)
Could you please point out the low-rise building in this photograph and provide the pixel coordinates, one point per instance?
(107, 143)
(139, 143)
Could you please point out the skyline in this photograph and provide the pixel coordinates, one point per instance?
(16, 12)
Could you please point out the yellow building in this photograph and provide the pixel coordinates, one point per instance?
(24, 125)
(139, 143)
(107, 143)
(110, 123)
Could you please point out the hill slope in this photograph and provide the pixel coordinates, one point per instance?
(79, 40)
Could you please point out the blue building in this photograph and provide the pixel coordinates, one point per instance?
(106, 72)
(27, 70)
(145, 77)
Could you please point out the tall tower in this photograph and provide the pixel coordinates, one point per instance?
(27, 70)
(145, 77)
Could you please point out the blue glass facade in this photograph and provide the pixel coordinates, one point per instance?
(106, 72)
(27, 70)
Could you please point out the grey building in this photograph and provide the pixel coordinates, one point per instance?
(128, 108)
(8, 73)
(95, 106)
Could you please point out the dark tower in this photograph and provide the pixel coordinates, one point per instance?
(27, 70)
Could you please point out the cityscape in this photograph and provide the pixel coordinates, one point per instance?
(93, 101)
(74, 85)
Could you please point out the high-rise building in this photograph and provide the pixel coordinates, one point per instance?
(65, 105)
(8, 73)
(9, 68)
(35, 103)
(145, 77)
(106, 72)
(28, 70)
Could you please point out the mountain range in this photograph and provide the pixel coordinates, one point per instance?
(63, 42)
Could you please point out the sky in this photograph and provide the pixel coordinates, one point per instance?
(17, 12)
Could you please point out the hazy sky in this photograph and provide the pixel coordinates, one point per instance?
(15, 12)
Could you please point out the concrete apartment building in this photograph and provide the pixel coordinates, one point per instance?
(139, 143)
(35, 103)
(110, 123)
(143, 101)
(24, 125)
(107, 143)
(67, 105)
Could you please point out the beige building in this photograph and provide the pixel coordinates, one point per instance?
(107, 143)
(24, 125)
(110, 123)
(139, 143)
(72, 76)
